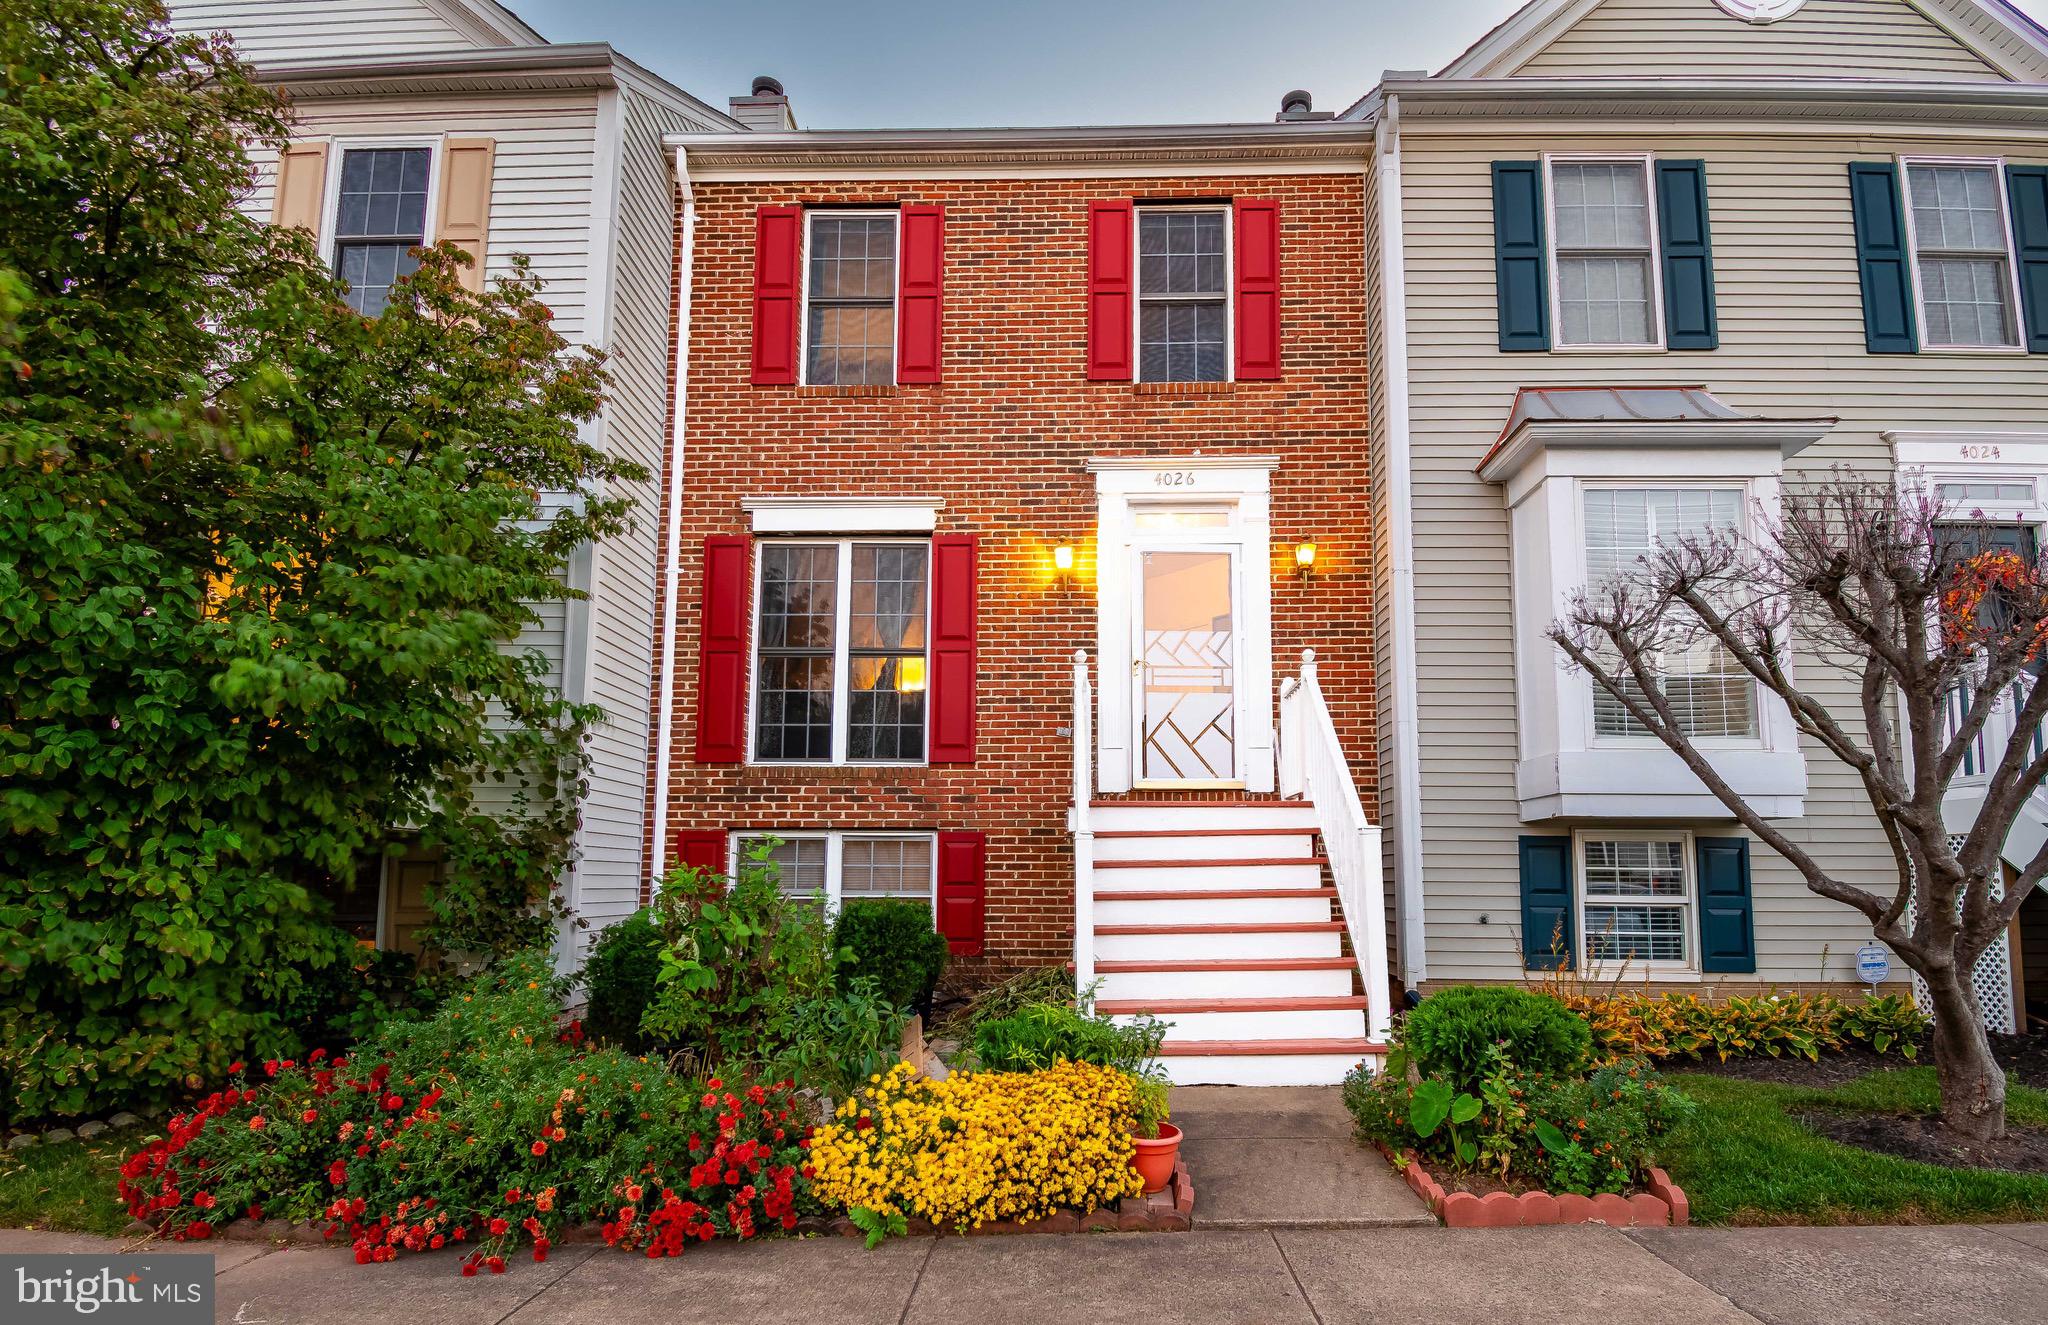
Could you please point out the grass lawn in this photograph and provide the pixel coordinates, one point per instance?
(1743, 1160)
(68, 1187)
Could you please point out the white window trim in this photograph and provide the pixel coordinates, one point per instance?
(1648, 162)
(1229, 211)
(330, 189)
(843, 515)
(1594, 740)
(803, 318)
(842, 699)
(2015, 308)
(835, 856)
(1689, 969)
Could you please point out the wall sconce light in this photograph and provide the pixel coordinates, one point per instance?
(1063, 559)
(1305, 557)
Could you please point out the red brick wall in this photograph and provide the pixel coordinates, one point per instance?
(1003, 440)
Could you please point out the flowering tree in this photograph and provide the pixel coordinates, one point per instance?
(1926, 625)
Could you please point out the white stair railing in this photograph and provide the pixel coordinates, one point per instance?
(1084, 836)
(1313, 767)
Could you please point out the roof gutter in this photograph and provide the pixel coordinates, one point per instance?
(1889, 95)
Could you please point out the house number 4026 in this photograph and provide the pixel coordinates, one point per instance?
(1175, 478)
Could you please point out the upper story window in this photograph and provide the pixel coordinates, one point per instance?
(1604, 242)
(850, 294)
(840, 669)
(1183, 294)
(380, 219)
(1709, 692)
(1962, 254)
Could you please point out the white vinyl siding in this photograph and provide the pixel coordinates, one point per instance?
(1792, 345)
(1698, 39)
(271, 30)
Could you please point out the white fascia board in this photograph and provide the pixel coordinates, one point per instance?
(1655, 448)
(843, 515)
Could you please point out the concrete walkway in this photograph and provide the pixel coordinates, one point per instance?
(1300, 1276)
(1283, 1157)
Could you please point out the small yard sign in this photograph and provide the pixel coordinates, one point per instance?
(1873, 963)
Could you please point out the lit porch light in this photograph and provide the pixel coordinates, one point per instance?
(1305, 556)
(1063, 559)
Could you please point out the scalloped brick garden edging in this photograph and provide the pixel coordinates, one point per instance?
(1171, 1209)
(1661, 1203)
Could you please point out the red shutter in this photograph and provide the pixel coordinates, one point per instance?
(702, 849)
(1109, 290)
(1258, 289)
(921, 292)
(963, 874)
(722, 654)
(778, 286)
(954, 569)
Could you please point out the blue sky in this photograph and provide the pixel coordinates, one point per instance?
(900, 63)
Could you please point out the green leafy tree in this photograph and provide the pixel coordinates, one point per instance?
(258, 557)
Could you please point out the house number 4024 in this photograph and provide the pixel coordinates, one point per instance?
(1175, 478)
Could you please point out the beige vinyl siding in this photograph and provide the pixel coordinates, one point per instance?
(272, 30)
(1380, 540)
(1697, 38)
(1792, 345)
(621, 610)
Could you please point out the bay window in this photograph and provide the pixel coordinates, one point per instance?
(840, 666)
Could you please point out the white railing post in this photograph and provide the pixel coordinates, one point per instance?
(1084, 836)
(1350, 839)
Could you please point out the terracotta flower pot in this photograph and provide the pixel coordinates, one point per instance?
(1155, 1159)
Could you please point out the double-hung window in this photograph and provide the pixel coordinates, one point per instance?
(850, 294)
(1963, 266)
(1183, 294)
(1709, 692)
(1603, 235)
(1636, 894)
(846, 867)
(381, 217)
(840, 669)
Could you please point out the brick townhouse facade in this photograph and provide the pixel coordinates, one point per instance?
(959, 404)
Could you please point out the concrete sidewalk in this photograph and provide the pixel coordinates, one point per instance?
(1537, 1276)
(1283, 1157)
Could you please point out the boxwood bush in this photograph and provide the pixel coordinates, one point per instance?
(1449, 1033)
(894, 942)
(618, 979)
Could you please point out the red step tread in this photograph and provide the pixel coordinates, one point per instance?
(1198, 802)
(1197, 894)
(1305, 1003)
(1291, 927)
(1260, 1048)
(1207, 864)
(1230, 964)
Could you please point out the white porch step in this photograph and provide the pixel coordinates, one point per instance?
(1197, 942)
(1221, 843)
(1115, 816)
(1249, 1020)
(1266, 1063)
(1214, 906)
(1187, 875)
(1297, 977)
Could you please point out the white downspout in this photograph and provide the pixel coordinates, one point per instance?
(1393, 352)
(671, 553)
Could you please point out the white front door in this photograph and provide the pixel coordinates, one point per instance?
(1185, 668)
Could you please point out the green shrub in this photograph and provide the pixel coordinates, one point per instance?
(835, 1039)
(895, 944)
(1038, 1036)
(1449, 1034)
(618, 979)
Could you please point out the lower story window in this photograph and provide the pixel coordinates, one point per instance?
(1636, 898)
(840, 867)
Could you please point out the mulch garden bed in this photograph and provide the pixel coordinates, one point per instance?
(1910, 1136)
(2024, 1058)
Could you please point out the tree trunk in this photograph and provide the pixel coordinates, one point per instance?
(1972, 1083)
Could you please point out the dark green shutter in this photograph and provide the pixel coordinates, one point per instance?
(2028, 186)
(1547, 943)
(1689, 321)
(1727, 914)
(1881, 258)
(1521, 268)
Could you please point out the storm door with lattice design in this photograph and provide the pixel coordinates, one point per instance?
(1186, 665)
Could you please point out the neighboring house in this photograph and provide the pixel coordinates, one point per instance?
(1634, 263)
(428, 120)
(957, 404)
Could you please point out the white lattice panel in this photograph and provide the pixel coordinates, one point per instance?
(1992, 978)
